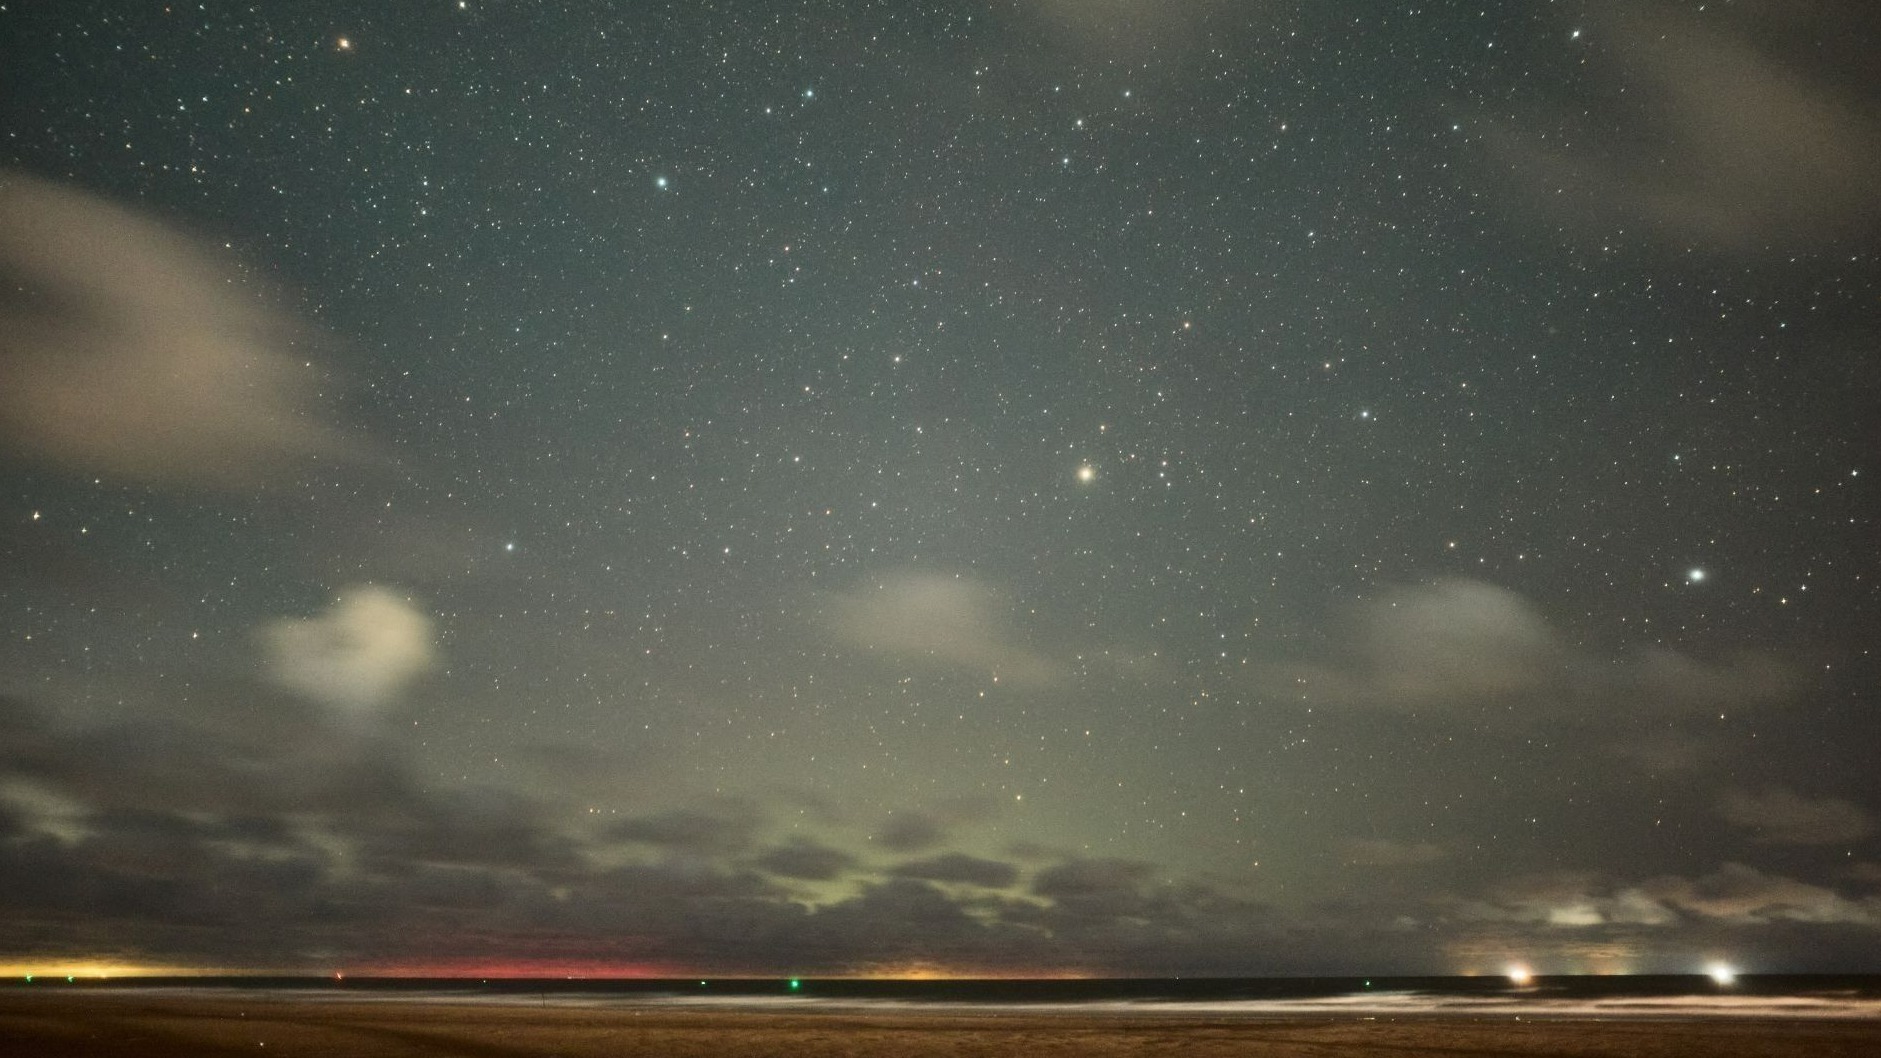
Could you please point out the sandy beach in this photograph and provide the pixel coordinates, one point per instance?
(169, 1026)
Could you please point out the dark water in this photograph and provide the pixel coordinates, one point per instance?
(1641, 996)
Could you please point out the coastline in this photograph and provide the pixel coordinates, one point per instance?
(155, 1024)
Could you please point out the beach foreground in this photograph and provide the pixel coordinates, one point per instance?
(159, 1026)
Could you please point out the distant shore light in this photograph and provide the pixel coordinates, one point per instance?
(1722, 973)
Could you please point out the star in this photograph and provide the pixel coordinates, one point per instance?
(1087, 473)
(1695, 575)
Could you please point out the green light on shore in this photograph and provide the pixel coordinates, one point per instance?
(795, 984)
(29, 978)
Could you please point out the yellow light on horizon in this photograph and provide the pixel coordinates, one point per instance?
(1722, 973)
(1520, 975)
(93, 970)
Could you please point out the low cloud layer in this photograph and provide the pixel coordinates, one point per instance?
(1780, 816)
(311, 847)
(946, 621)
(126, 351)
(358, 655)
(1734, 894)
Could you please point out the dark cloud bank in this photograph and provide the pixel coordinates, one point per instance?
(287, 840)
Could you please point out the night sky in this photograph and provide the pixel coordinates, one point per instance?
(1000, 487)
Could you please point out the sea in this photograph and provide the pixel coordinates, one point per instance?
(1615, 997)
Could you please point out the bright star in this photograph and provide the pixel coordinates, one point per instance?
(660, 182)
(1695, 575)
(1087, 473)
(509, 547)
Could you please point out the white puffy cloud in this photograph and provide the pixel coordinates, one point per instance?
(125, 350)
(947, 620)
(356, 656)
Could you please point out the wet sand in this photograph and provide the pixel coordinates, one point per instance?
(132, 1025)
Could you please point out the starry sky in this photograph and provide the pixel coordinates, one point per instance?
(1001, 487)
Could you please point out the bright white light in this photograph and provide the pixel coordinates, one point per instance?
(1722, 973)
(1087, 473)
(660, 183)
(1520, 975)
(1695, 575)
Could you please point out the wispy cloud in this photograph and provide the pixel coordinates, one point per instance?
(1777, 815)
(1460, 645)
(1720, 141)
(950, 621)
(127, 351)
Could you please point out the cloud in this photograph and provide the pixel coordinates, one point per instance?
(915, 829)
(1456, 639)
(125, 350)
(1569, 900)
(908, 831)
(1744, 895)
(805, 860)
(959, 867)
(1780, 816)
(727, 826)
(358, 656)
(1097, 888)
(948, 621)
(1716, 140)
(1458, 645)
(1732, 895)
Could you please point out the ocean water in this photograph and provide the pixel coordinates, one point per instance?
(1609, 997)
